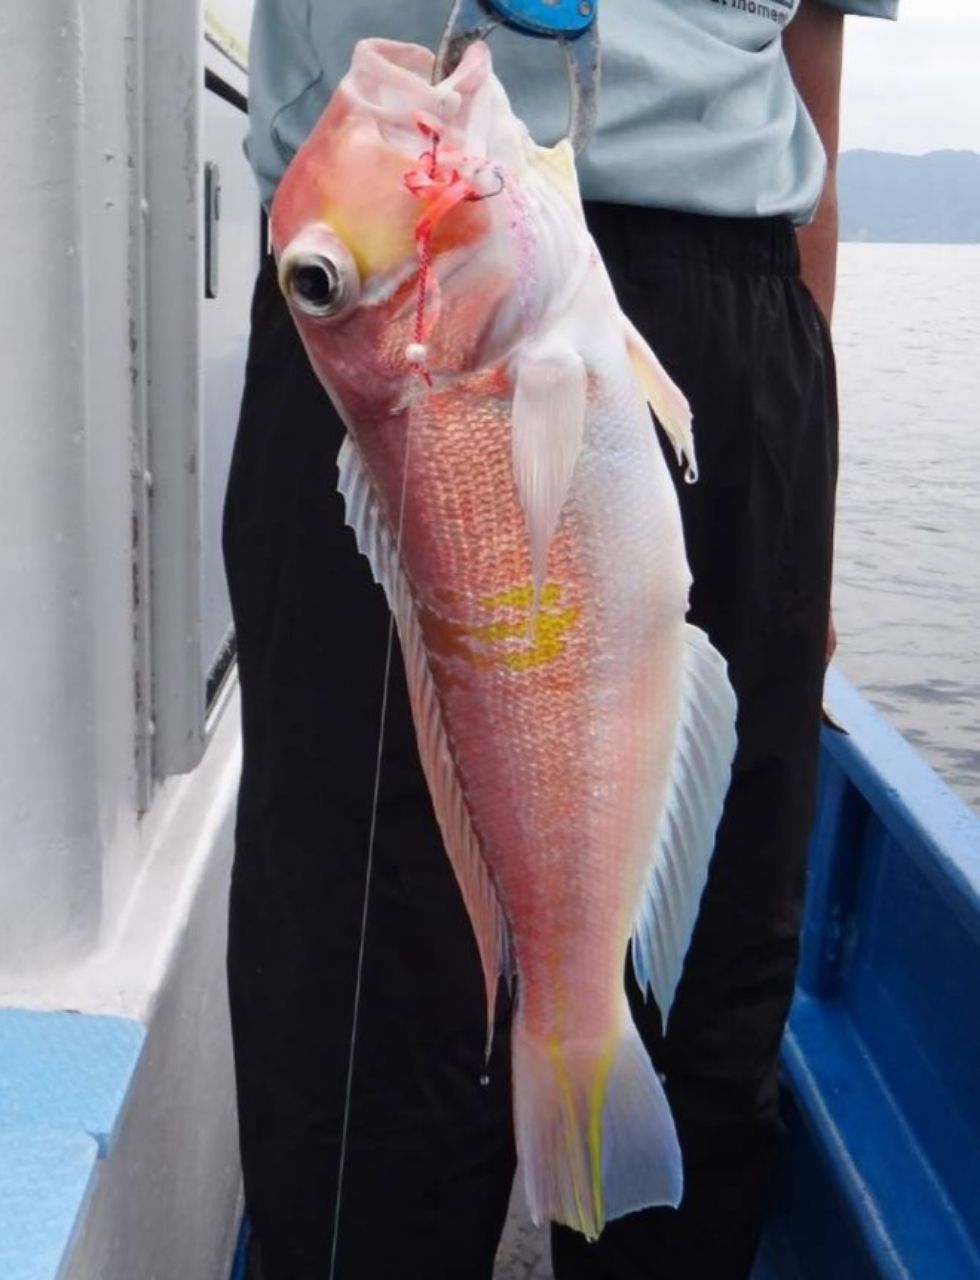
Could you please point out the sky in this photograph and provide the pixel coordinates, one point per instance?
(913, 85)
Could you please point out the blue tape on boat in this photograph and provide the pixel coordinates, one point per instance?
(67, 1070)
(46, 1176)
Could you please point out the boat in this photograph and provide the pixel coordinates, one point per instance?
(133, 234)
(881, 1058)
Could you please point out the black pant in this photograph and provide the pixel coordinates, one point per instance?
(430, 1158)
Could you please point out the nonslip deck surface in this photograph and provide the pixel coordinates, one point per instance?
(524, 1252)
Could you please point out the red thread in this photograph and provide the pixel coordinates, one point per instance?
(443, 187)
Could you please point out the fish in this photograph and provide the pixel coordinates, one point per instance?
(503, 477)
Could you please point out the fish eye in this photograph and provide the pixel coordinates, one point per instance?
(314, 285)
(319, 284)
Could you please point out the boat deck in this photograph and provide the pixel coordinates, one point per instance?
(523, 1252)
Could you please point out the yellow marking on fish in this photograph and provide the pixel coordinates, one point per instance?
(376, 245)
(522, 597)
(589, 1224)
(569, 1126)
(520, 643)
(541, 638)
(558, 164)
(604, 1068)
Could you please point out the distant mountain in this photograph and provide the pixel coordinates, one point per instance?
(930, 199)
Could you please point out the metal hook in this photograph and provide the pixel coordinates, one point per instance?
(571, 22)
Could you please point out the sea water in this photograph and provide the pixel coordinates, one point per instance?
(907, 576)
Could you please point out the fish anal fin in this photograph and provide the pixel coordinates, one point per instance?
(376, 543)
(703, 754)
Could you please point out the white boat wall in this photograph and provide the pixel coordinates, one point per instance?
(131, 232)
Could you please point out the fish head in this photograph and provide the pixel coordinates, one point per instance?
(420, 229)
(394, 227)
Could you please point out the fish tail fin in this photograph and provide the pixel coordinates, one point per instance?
(595, 1135)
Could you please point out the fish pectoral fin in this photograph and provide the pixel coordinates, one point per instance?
(664, 397)
(703, 753)
(376, 543)
(547, 430)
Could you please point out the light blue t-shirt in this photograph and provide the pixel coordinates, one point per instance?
(697, 112)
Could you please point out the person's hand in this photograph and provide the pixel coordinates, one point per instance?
(831, 648)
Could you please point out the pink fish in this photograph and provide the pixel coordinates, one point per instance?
(504, 479)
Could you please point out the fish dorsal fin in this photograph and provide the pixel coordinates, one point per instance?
(664, 397)
(375, 541)
(703, 753)
(547, 429)
(557, 163)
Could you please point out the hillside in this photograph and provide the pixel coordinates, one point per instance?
(931, 199)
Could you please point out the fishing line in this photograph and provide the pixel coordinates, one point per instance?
(369, 865)
(449, 189)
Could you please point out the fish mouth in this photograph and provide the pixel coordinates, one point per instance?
(392, 81)
(377, 56)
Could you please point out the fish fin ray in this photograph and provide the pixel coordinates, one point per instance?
(703, 753)
(595, 1136)
(557, 163)
(375, 542)
(547, 430)
(664, 397)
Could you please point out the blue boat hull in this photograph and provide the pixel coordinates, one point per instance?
(881, 1177)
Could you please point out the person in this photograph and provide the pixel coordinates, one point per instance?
(717, 119)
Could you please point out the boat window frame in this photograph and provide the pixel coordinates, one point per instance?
(179, 703)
